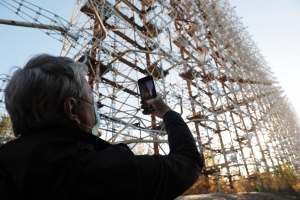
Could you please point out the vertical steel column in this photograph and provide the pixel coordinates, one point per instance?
(153, 118)
(220, 137)
(93, 55)
(264, 111)
(192, 104)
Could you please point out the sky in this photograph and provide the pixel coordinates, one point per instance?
(274, 24)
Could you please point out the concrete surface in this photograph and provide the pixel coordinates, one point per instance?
(241, 196)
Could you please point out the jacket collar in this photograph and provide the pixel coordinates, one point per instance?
(71, 133)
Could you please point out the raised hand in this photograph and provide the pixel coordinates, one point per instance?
(159, 105)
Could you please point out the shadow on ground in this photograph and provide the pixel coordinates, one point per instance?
(241, 196)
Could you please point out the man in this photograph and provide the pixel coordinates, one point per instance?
(56, 156)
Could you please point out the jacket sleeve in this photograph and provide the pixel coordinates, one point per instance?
(166, 177)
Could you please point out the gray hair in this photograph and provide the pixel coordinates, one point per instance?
(35, 94)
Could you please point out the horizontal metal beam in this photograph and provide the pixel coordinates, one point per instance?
(30, 25)
(39, 26)
(140, 141)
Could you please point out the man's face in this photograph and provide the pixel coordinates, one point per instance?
(86, 110)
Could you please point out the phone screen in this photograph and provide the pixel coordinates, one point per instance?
(147, 90)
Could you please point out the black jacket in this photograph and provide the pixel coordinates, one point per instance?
(66, 163)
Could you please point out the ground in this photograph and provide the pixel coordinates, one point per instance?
(241, 196)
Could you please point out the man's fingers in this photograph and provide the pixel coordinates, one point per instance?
(150, 102)
(158, 104)
(147, 113)
(159, 95)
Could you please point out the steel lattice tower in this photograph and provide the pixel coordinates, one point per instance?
(205, 65)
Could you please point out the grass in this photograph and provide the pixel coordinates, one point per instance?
(282, 179)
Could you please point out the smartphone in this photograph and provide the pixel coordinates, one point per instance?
(147, 91)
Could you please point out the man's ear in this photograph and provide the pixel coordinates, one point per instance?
(70, 107)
